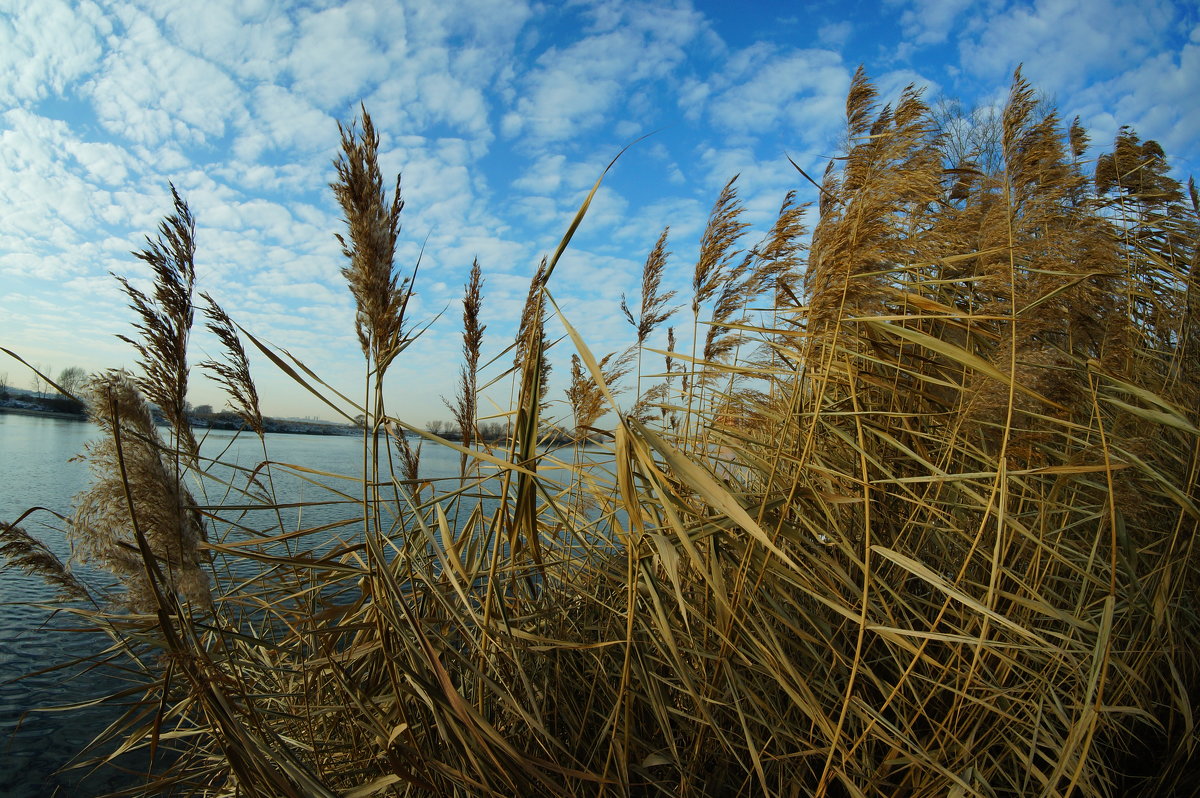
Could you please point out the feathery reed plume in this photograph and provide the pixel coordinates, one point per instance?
(671, 342)
(1078, 138)
(585, 395)
(374, 223)
(830, 186)
(891, 176)
(722, 232)
(1137, 172)
(777, 274)
(660, 394)
(26, 553)
(860, 101)
(466, 405)
(532, 330)
(651, 312)
(410, 458)
(717, 249)
(768, 267)
(166, 319)
(136, 489)
(1022, 100)
(781, 254)
(234, 374)
(735, 293)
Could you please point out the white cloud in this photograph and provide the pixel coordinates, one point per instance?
(891, 84)
(801, 91)
(342, 52)
(105, 163)
(282, 120)
(149, 90)
(927, 22)
(544, 177)
(46, 46)
(575, 88)
(1065, 43)
(834, 34)
(249, 38)
(47, 196)
(1157, 96)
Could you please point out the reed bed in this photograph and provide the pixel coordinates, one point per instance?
(915, 517)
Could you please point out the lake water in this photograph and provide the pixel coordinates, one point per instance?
(36, 471)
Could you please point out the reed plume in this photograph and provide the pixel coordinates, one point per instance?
(136, 493)
(717, 250)
(466, 404)
(652, 310)
(717, 244)
(720, 337)
(410, 460)
(234, 373)
(781, 255)
(531, 341)
(584, 394)
(889, 180)
(20, 550)
(661, 395)
(166, 319)
(380, 296)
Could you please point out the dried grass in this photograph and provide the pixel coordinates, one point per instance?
(939, 540)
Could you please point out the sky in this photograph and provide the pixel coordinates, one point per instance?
(499, 115)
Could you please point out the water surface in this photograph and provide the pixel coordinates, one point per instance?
(38, 469)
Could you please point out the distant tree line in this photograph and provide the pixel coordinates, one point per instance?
(57, 396)
(490, 431)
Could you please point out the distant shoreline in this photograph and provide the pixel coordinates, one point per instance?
(272, 425)
(26, 411)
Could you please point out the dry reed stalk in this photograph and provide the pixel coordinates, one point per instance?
(166, 319)
(652, 310)
(234, 374)
(466, 405)
(531, 343)
(373, 224)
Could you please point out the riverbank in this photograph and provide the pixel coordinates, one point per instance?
(26, 411)
(220, 421)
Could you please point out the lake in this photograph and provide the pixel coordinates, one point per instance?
(36, 469)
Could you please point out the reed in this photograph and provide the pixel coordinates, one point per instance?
(466, 405)
(165, 320)
(934, 535)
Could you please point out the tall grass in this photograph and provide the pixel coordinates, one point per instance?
(917, 517)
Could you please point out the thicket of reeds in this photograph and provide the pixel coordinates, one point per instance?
(913, 513)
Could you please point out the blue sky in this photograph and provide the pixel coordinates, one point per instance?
(500, 115)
